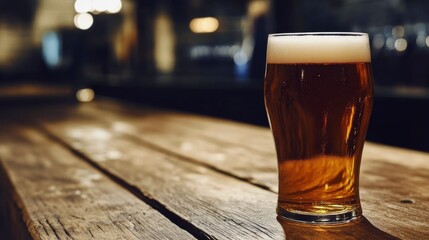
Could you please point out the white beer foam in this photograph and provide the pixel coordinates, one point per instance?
(318, 48)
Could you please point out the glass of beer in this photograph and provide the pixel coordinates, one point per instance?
(318, 93)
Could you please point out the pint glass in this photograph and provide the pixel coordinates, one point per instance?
(318, 93)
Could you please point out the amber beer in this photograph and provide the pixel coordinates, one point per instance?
(318, 95)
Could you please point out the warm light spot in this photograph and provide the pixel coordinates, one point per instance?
(401, 44)
(257, 8)
(83, 21)
(98, 6)
(204, 25)
(114, 6)
(164, 48)
(427, 41)
(83, 6)
(85, 95)
(101, 5)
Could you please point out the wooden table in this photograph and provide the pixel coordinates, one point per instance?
(109, 170)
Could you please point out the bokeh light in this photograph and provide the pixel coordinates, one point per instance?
(83, 6)
(85, 95)
(98, 6)
(83, 20)
(204, 25)
(401, 44)
(114, 6)
(101, 5)
(52, 49)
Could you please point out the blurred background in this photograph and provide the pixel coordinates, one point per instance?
(204, 56)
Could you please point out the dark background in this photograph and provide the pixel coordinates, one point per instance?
(148, 53)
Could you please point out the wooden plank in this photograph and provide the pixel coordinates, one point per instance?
(242, 134)
(11, 225)
(394, 189)
(221, 206)
(241, 150)
(62, 197)
(390, 177)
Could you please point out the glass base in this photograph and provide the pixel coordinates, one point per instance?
(325, 218)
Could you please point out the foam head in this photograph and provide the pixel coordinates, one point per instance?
(318, 48)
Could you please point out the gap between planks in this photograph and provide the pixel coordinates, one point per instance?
(156, 146)
(182, 223)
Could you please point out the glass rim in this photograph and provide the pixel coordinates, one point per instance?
(300, 34)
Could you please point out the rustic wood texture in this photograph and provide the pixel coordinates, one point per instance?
(62, 197)
(394, 189)
(219, 205)
(220, 177)
(242, 150)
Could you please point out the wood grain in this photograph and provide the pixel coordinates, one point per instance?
(62, 197)
(236, 133)
(394, 189)
(221, 206)
(241, 150)
(140, 146)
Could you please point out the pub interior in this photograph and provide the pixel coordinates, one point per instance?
(194, 57)
(207, 57)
